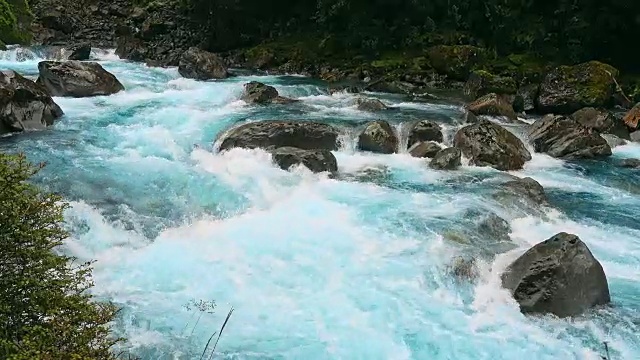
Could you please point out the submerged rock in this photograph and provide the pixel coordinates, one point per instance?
(371, 105)
(630, 163)
(424, 149)
(24, 105)
(316, 160)
(489, 144)
(493, 105)
(201, 65)
(464, 268)
(559, 276)
(601, 121)
(527, 188)
(299, 134)
(446, 159)
(262, 94)
(562, 137)
(632, 118)
(424, 131)
(77, 79)
(566, 89)
(378, 136)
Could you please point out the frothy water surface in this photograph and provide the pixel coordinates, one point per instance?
(316, 268)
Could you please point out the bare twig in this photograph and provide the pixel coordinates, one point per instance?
(220, 333)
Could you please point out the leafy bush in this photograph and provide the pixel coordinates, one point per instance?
(15, 19)
(45, 309)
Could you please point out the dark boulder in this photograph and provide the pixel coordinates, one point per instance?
(299, 134)
(562, 137)
(262, 94)
(24, 105)
(371, 105)
(378, 136)
(566, 89)
(489, 144)
(446, 159)
(469, 118)
(525, 99)
(464, 268)
(201, 65)
(58, 20)
(425, 131)
(316, 160)
(632, 118)
(493, 105)
(77, 79)
(424, 149)
(601, 121)
(80, 52)
(455, 61)
(559, 276)
(481, 83)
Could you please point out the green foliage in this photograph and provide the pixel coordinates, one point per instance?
(45, 309)
(15, 20)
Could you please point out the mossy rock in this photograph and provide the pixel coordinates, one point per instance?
(523, 68)
(455, 61)
(15, 20)
(482, 82)
(569, 88)
(3, 47)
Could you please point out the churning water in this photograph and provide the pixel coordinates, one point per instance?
(356, 267)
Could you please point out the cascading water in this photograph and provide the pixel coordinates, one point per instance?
(355, 267)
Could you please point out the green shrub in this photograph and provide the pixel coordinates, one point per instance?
(45, 309)
(15, 20)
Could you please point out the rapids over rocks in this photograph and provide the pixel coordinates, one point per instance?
(355, 266)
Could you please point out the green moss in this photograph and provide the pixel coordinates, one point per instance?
(482, 82)
(15, 19)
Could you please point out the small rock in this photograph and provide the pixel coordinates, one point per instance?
(446, 159)
(378, 136)
(370, 105)
(630, 163)
(562, 137)
(469, 118)
(493, 105)
(77, 79)
(464, 269)
(527, 188)
(489, 144)
(201, 65)
(265, 134)
(316, 160)
(425, 131)
(559, 276)
(424, 149)
(632, 118)
(259, 93)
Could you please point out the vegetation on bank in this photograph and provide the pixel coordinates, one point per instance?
(45, 309)
(15, 22)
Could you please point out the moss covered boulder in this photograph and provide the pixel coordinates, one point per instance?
(567, 89)
(455, 61)
(482, 82)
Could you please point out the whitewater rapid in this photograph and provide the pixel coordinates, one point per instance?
(355, 267)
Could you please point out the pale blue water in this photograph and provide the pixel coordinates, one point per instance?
(315, 268)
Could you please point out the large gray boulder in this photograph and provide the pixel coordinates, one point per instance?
(559, 276)
(77, 79)
(489, 144)
(425, 131)
(299, 134)
(378, 136)
(201, 65)
(24, 105)
(316, 160)
(563, 137)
